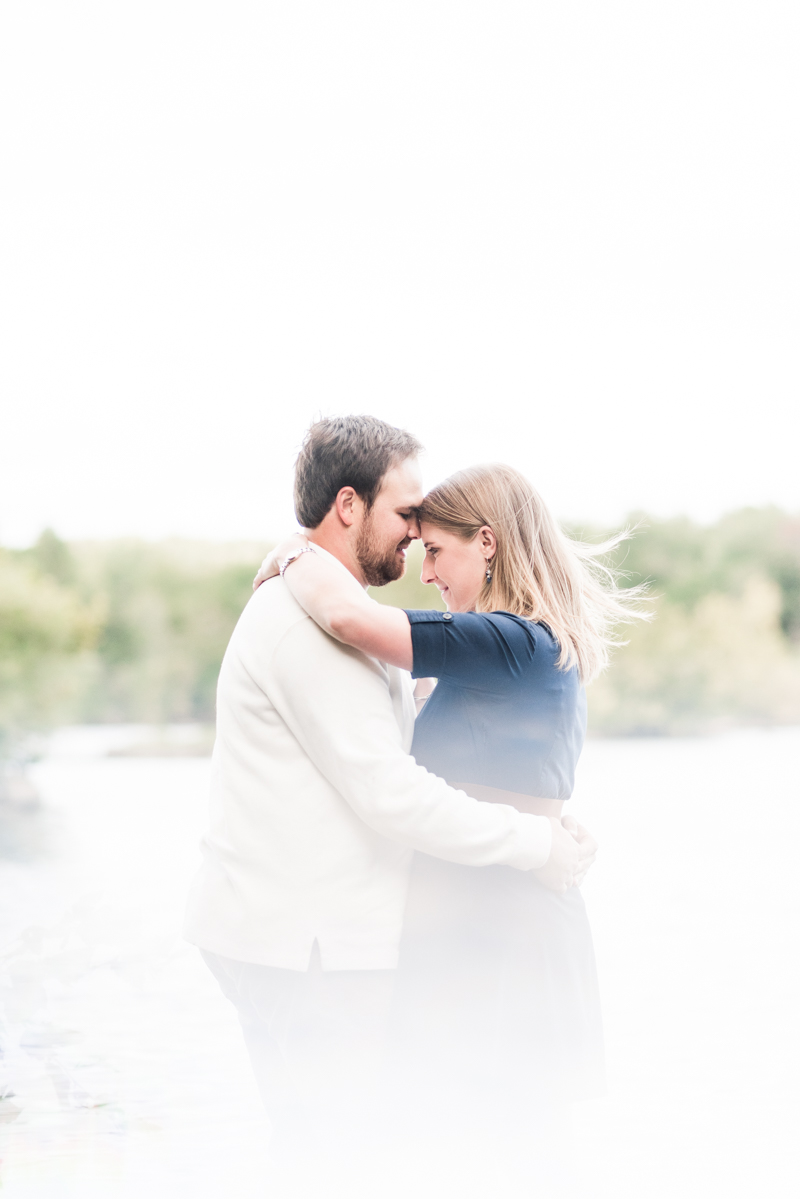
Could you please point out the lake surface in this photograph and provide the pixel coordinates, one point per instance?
(128, 1072)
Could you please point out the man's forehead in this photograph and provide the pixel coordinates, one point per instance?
(402, 485)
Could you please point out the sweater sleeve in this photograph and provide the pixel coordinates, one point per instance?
(337, 704)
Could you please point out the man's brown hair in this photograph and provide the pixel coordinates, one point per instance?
(346, 451)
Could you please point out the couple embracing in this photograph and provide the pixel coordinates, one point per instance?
(392, 903)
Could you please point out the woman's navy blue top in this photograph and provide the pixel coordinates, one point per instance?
(502, 714)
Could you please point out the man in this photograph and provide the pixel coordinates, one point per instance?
(317, 806)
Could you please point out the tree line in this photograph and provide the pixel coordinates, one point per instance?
(130, 631)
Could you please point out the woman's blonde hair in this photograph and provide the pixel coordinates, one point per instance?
(538, 571)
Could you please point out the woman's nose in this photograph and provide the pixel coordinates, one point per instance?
(428, 572)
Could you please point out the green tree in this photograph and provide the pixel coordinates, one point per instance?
(724, 645)
(46, 635)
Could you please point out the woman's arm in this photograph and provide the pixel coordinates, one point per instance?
(338, 607)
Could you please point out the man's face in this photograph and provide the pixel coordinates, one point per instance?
(390, 526)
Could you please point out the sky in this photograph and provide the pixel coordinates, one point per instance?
(563, 236)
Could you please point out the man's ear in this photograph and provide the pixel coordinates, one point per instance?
(348, 505)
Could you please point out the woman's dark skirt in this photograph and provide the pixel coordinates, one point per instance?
(496, 1005)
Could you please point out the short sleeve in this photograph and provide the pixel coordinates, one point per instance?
(478, 649)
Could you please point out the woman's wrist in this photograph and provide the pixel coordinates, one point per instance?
(270, 567)
(292, 556)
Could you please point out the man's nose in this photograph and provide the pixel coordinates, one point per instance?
(413, 528)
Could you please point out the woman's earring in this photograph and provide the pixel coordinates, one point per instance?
(488, 570)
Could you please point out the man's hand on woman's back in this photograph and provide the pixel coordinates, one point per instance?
(572, 853)
(586, 844)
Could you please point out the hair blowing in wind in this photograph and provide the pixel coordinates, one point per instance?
(538, 572)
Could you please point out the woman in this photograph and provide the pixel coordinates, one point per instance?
(497, 1010)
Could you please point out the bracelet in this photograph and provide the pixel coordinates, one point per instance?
(307, 549)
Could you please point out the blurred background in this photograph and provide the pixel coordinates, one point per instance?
(133, 632)
(562, 237)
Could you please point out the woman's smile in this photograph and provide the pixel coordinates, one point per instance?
(456, 566)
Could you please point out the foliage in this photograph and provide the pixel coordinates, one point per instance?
(132, 631)
(116, 631)
(46, 635)
(169, 614)
(725, 644)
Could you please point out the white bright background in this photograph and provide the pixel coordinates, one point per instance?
(559, 235)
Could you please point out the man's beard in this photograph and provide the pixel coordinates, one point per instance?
(379, 561)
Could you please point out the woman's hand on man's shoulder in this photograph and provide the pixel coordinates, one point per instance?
(271, 565)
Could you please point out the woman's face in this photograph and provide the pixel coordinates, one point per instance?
(455, 566)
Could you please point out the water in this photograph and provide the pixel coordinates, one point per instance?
(694, 905)
(128, 1070)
